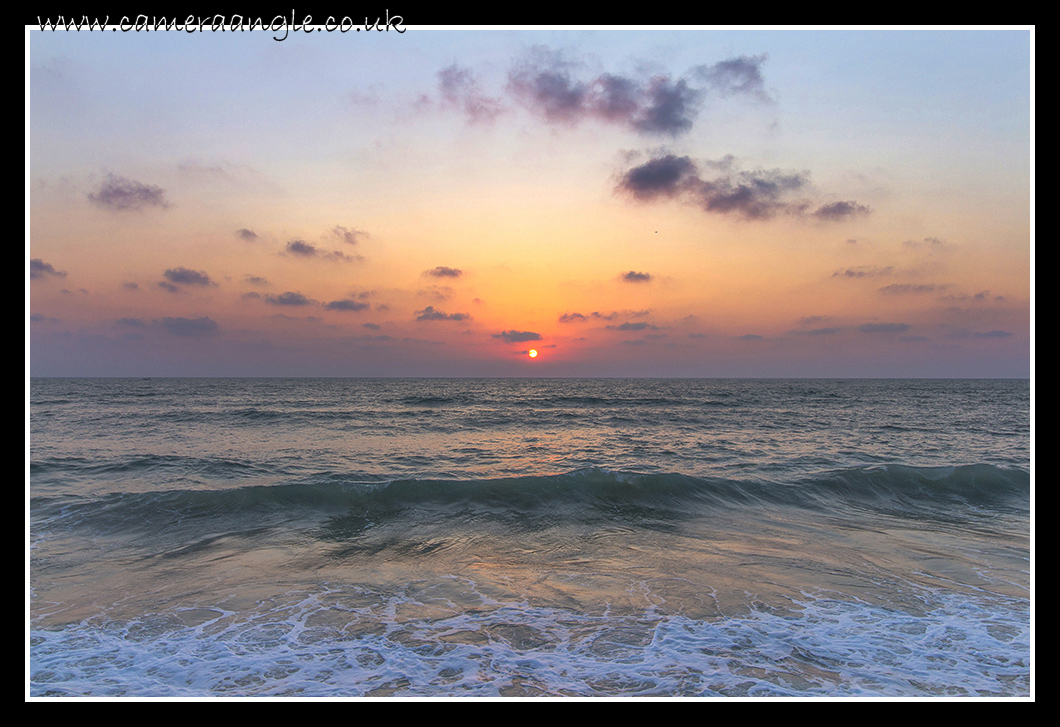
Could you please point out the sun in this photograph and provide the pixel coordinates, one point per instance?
(533, 353)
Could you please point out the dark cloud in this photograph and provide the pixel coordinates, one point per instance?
(884, 327)
(863, 272)
(671, 108)
(371, 326)
(121, 194)
(349, 236)
(245, 234)
(255, 280)
(964, 333)
(184, 276)
(545, 82)
(617, 99)
(438, 292)
(169, 287)
(443, 272)
(289, 298)
(517, 336)
(903, 288)
(39, 269)
(347, 305)
(131, 286)
(41, 318)
(666, 176)
(613, 315)
(572, 317)
(982, 295)
(751, 337)
(302, 248)
(460, 89)
(822, 331)
(841, 211)
(752, 195)
(742, 75)
(430, 314)
(634, 277)
(193, 327)
(132, 322)
(639, 326)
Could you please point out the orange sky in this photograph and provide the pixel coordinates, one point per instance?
(629, 203)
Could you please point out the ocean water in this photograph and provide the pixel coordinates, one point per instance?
(497, 537)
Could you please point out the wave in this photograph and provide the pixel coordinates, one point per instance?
(894, 489)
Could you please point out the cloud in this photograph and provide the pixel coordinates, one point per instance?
(193, 327)
(863, 272)
(460, 89)
(841, 211)
(666, 176)
(301, 248)
(546, 82)
(903, 288)
(438, 292)
(184, 276)
(430, 314)
(752, 195)
(247, 235)
(38, 269)
(613, 315)
(121, 194)
(349, 236)
(634, 277)
(289, 298)
(255, 280)
(347, 305)
(617, 98)
(517, 336)
(132, 322)
(572, 317)
(131, 286)
(41, 318)
(639, 326)
(671, 110)
(751, 337)
(973, 334)
(741, 75)
(884, 327)
(543, 83)
(443, 272)
(982, 295)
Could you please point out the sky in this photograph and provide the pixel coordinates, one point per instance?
(440, 202)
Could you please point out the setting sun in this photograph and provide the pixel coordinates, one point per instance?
(533, 353)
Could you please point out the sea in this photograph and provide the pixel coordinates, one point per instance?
(568, 538)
